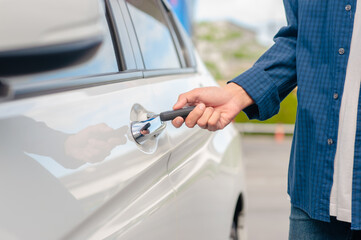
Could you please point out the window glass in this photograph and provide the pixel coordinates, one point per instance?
(153, 34)
(184, 41)
(104, 61)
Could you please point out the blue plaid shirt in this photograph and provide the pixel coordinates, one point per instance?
(311, 52)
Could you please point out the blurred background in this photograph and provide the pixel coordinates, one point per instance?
(230, 35)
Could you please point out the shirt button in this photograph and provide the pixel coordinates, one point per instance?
(329, 141)
(335, 96)
(341, 51)
(348, 7)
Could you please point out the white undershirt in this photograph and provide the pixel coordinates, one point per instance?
(341, 193)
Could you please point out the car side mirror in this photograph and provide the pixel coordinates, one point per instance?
(42, 35)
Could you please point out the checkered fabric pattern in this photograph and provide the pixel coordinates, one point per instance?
(311, 52)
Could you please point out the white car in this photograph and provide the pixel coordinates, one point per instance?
(74, 77)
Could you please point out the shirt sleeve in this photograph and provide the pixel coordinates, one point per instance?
(273, 76)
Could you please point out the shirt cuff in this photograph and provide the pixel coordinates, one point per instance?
(261, 88)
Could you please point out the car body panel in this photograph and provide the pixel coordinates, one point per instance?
(72, 170)
(33, 132)
(206, 173)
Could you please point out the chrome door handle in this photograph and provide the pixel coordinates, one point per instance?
(148, 129)
(154, 125)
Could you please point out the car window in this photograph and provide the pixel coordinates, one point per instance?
(184, 40)
(153, 34)
(103, 62)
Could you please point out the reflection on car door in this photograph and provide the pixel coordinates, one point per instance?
(68, 160)
(70, 168)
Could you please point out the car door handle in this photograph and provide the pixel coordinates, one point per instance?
(155, 124)
(170, 115)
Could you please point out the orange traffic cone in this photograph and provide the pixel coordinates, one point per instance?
(279, 133)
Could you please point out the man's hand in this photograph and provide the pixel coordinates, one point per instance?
(216, 106)
(93, 144)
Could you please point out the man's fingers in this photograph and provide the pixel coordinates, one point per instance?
(186, 98)
(203, 121)
(177, 122)
(193, 116)
(213, 120)
(181, 102)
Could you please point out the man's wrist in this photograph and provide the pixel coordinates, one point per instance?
(240, 96)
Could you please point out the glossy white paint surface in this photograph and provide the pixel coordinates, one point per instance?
(38, 23)
(70, 169)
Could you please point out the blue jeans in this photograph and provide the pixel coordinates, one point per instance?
(302, 227)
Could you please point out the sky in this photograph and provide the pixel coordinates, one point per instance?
(264, 17)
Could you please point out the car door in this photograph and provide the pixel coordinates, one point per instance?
(170, 71)
(70, 167)
(205, 168)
